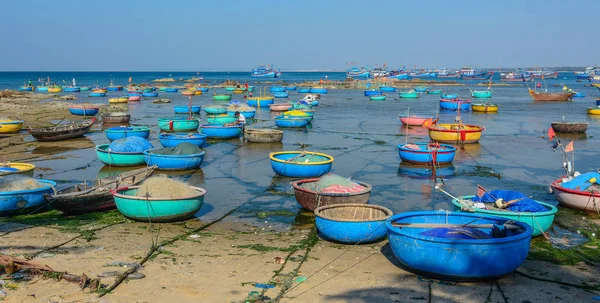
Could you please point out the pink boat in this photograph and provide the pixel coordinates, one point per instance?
(135, 98)
(413, 120)
(576, 199)
(280, 107)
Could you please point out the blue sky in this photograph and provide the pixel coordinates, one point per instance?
(73, 35)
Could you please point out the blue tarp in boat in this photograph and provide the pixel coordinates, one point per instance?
(581, 182)
(524, 204)
(456, 233)
(130, 145)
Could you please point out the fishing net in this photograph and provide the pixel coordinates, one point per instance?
(184, 148)
(516, 201)
(456, 233)
(332, 183)
(164, 187)
(295, 113)
(17, 183)
(130, 145)
(240, 108)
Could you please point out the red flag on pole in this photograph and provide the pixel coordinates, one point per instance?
(569, 147)
(480, 191)
(551, 134)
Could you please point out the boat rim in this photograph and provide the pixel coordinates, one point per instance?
(273, 155)
(116, 193)
(149, 153)
(133, 128)
(50, 185)
(555, 185)
(102, 148)
(552, 208)
(263, 130)
(177, 136)
(319, 209)
(297, 186)
(477, 130)
(450, 148)
(213, 125)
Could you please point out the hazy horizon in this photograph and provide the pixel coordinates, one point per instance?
(310, 35)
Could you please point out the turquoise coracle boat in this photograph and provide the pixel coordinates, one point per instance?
(157, 209)
(411, 94)
(221, 119)
(481, 93)
(539, 221)
(117, 158)
(178, 124)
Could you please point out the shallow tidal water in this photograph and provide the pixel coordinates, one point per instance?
(362, 135)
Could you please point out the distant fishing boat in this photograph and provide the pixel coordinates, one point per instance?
(544, 96)
(398, 75)
(543, 74)
(467, 73)
(358, 73)
(446, 74)
(265, 72)
(380, 72)
(515, 76)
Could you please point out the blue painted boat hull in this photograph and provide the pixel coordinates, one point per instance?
(290, 87)
(97, 94)
(454, 106)
(26, 88)
(303, 90)
(457, 259)
(448, 96)
(151, 94)
(42, 88)
(425, 156)
(296, 122)
(114, 88)
(178, 125)
(116, 133)
(186, 109)
(174, 162)
(281, 94)
(84, 112)
(158, 209)
(276, 89)
(171, 90)
(246, 114)
(215, 110)
(317, 90)
(346, 232)
(23, 201)
(578, 95)
(202, 89)
(299, 170)
(263, 102)
(172, 140)
(218, 131)
(387, 89)
(118, 159)
(369, 93)
(71, 89)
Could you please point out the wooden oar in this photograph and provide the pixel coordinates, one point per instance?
(437, 225)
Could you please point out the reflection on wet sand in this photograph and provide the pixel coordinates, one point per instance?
(106, 126)
(50, 148)
(467, 151)
(420, 131)
(304, 219)
(191, 176)
(572, 136)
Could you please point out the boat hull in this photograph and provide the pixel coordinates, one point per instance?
(338, 228)
(16, 168)
(84, 111)
(118, 159)
(221, 119)
(291, 121)
(409, 95)
(247, 114)
(538, 96)
(260, 101)
(310, 199)
(172, 140)
(283, 107)
(178, 125)
(282, 167)
(116, 118)
(569, 127)
(215, 110)
(22, 201)
(194, 109)
(218, 131)
(52, 134)
(318, 90)
(453, 133)
(576, 199)
(428, 154)
(484, 108)
(157, 209)
(455, 104)
(10, 126)
(174, 162)
(116, 133)
(413, 120)
(481, 94)
(258, 135)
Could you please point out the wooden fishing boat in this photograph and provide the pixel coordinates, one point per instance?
(157, 209)
(458, 246)
(8, 126)
(484, 108)
(134, 98)
(540, 222)
(262, 135)
(13, 168)
(569, 127)
(95, 196)
(62, 131)
(310, 199)
(455, 133)
(115, 117)
(352, 223)
(584, 200)
(118, 99)
(300, 164)
(540, 96)
(23, 201)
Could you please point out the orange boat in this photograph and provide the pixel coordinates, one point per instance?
(540, 96)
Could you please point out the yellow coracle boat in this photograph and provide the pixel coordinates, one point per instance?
(54, 89)
(238, 91)
(99, 90)
(593, 110)
(10, 126)
(198, 92)
(484, 108)
(455, 133)
(12, 168)
(118, 100)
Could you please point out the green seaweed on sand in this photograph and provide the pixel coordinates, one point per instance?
(274, 213)
(480, 171)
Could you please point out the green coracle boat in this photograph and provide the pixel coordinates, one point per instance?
(434, 92)
(377, 98)
(481, 93)
(411, 94)
(178, 124)
(119, 159)
(221, 119)
(157, 209)
(221, 97)
(540, 221)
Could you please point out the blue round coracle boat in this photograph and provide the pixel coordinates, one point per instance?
(453, 104)
(71, 89)
(172, 140)
(275, 89)
(290, 87)
(97, 94)
(20, 201)
(171, 90)
(42, 88)
(449, 96)
(157, 209)
(318, 90)
(426, 153)
(263, 101)
(195, 109)
(221, 119)
(281, 94)
(300, 164)
(26, 88)
(202, 89)
(134, 94)
(291, 121)
(371, 92)
(303, 90)
(150, 94)
(114, 88)
(120, 132)
(420, 89)
(387, 89)
(247, 114)
(173, 162)
(178, 124)
(458, 246)
(84, 110)
(578, 95)
(119, 158)
(219, 131)
(352, 223)
(215, 109)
